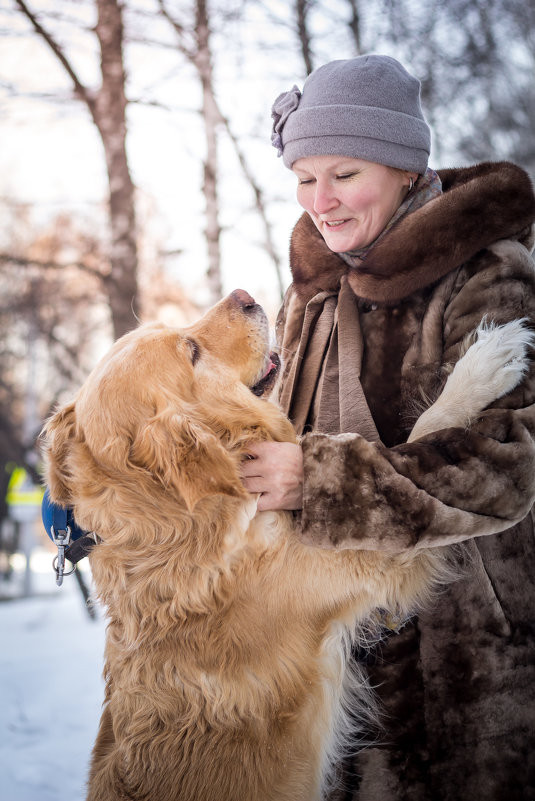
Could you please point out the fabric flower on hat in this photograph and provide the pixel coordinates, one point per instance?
(280, 111)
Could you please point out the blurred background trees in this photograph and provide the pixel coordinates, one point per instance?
(138, 180)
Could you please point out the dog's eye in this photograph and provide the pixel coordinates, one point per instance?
(194, 350)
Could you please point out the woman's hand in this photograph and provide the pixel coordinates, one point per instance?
(275, 469)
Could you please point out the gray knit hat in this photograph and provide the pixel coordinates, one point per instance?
(366, 107)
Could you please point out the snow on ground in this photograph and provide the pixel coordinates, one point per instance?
(51, 689)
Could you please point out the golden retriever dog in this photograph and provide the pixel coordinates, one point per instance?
(228, 640)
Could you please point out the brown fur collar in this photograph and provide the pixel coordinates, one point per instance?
(479, 205)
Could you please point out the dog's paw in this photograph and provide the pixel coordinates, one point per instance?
(496, 362)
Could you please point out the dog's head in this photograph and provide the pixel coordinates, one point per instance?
(168, 411)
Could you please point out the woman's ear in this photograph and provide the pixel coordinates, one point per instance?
(186, 458)
(58, 436)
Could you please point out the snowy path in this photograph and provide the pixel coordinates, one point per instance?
(51, 691)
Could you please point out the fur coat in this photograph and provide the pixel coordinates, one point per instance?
(457, 682)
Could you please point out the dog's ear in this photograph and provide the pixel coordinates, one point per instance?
(57, 436)
(186, 458)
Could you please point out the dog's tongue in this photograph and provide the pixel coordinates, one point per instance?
(268, 379)
(271, 366)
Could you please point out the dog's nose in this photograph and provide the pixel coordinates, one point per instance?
(243, 298)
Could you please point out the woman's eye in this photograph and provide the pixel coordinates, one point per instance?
(344, 176)
(303, 181)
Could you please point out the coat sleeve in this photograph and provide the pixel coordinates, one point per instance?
(455, 483)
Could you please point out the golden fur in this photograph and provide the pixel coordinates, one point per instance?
(228, 639)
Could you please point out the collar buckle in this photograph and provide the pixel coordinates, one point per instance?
(62, 539)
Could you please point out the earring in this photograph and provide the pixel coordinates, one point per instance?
(411, 183)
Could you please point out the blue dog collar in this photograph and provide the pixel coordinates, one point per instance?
(59, 518)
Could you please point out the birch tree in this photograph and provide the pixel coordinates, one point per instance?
(195, 43)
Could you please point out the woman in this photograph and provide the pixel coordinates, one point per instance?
(393, 265)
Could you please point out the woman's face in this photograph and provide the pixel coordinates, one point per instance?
(349, 200)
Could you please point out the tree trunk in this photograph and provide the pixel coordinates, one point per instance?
(211, 118)
(109, 114)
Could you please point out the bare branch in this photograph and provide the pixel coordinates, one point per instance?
(7, 258)
(81, 91)
(259, 203)
(190, 51)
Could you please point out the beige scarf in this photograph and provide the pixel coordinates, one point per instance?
(317, 393)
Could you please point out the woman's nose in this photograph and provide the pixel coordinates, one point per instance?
(324, 198)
